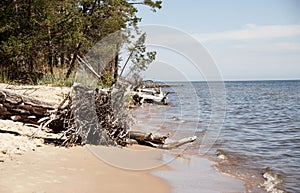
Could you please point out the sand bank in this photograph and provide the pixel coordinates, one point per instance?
(55, 169)
(29, 165)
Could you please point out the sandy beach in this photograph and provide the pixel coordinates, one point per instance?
(29, 165)
(76, 169)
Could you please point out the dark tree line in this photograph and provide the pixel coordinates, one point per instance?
(40, 35)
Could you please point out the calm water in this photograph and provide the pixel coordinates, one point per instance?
(261, 128)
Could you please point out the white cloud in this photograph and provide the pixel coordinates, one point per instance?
(252, 32)
(273, 47)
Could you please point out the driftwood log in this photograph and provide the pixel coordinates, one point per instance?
(154, 95)
(23, 108)
(142, 136)
(158, 141)
(86, 118)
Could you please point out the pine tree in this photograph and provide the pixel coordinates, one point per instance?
(38, 35)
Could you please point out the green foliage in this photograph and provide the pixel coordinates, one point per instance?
(153, 4)
(4, 77)
(36, 78)
(56, 79)
(41, 35)
(107, 80)
(141, 59)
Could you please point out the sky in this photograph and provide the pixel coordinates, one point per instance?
(246, 39)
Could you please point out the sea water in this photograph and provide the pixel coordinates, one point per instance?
(259, 138)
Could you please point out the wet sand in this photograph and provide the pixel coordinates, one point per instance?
(190, 174)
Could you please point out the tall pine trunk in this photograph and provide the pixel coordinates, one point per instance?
(72, 65)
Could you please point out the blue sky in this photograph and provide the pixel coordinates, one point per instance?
(248, 39)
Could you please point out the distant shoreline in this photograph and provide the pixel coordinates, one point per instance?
(227, 81)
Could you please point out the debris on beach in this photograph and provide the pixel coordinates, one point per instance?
(86, 116)
(154, 95)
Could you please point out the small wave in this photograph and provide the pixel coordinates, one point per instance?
(233, 164)
(230, 156)
(272, 181)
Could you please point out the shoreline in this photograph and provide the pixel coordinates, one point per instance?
(188, 171)
(36, 167)
(49, 168)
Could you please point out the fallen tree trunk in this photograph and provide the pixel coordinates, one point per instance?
(158, 141)
(142, 136)
(23, 108)
(76, 120)
(31, 110)
(175, 144)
